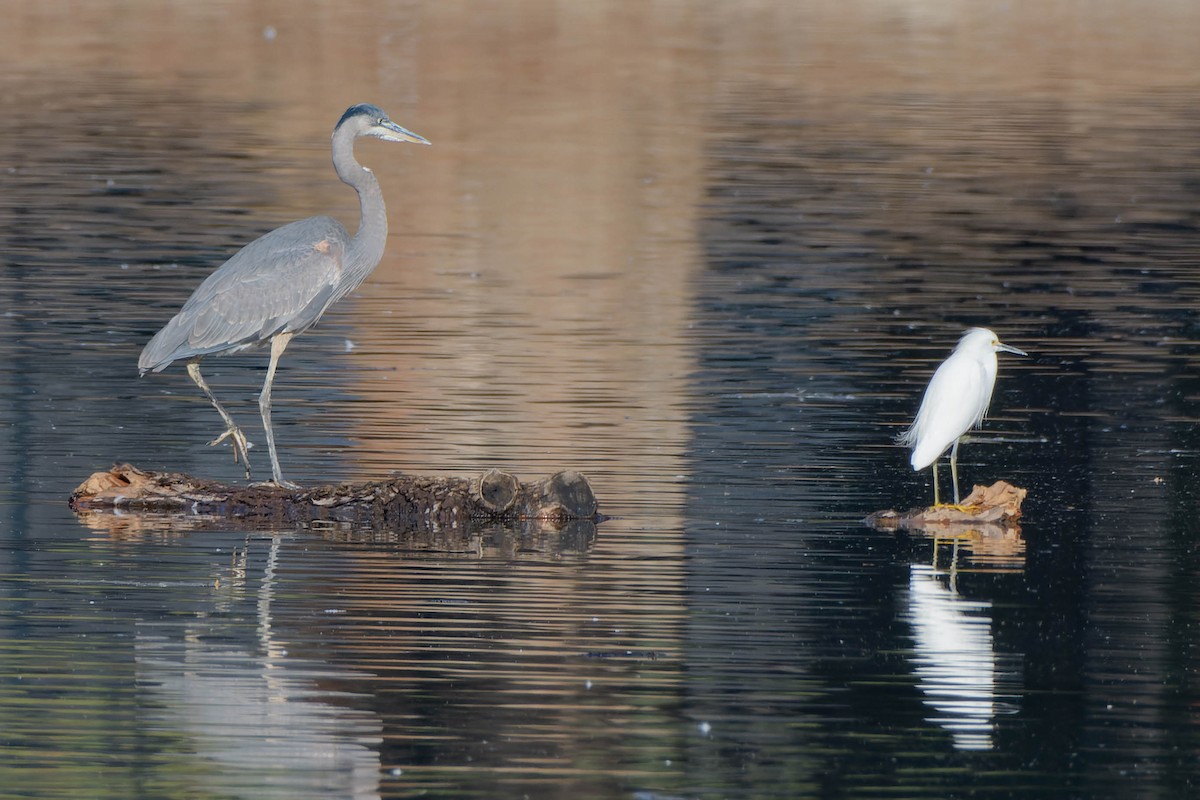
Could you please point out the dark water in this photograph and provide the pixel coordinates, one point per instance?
(716, 290)
(1059, 660)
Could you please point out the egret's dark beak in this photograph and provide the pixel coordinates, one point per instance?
(1001, 347)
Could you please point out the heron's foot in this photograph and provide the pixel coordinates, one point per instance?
(241, 446)
(238, 436)
(953, 507)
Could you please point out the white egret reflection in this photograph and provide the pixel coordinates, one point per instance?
(954, 658)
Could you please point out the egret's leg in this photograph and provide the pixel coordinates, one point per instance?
(241, 445)
(954, 468)
(936, 502)
(278, 345)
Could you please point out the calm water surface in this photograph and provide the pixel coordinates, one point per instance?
(708, 254)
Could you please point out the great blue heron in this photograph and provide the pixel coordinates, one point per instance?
(280, 284)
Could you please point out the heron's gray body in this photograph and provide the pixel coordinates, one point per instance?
(280, 284)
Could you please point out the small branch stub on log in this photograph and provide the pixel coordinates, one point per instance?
(998, 505)
(404, 500)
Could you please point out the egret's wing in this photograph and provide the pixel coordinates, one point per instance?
(281, 281)
(952, 406)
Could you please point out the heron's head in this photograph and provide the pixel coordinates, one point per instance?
(365, 119)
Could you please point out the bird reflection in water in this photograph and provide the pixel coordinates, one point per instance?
(954, 656)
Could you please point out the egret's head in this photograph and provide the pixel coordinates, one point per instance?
(983, 338)
(365, 119)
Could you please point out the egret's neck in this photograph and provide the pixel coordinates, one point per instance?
(366, 248)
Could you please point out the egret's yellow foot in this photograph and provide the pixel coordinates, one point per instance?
(954, 506)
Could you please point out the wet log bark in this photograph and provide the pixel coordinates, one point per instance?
(996, 505)
(400, 501)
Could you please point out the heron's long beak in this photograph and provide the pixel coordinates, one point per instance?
(391, 132)
(1008, 348)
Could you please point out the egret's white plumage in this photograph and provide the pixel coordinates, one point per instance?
(955, 401)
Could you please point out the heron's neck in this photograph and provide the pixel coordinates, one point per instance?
(366, 248)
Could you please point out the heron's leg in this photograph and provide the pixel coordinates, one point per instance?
(954, 468)
(278, 345)
(241, 445)
(936, 502)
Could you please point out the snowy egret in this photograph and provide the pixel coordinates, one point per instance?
(955, 401)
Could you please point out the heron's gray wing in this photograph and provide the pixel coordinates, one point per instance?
(281, 281)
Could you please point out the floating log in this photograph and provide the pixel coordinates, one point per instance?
(400, 501)
(995, 505)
